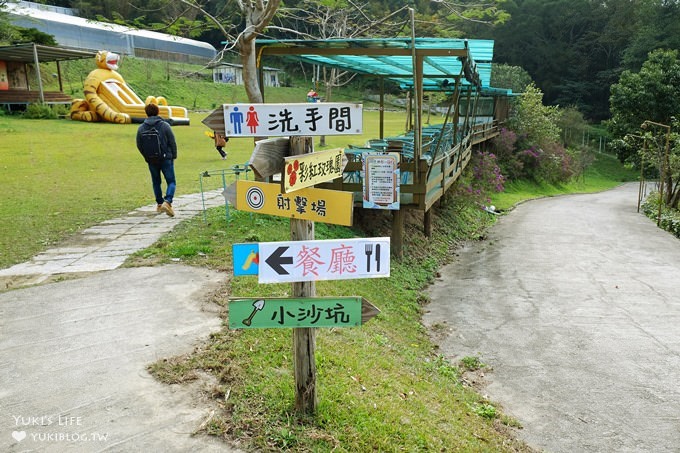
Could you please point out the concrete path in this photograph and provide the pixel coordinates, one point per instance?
(73, 354)
(106, 246)
(574, 303)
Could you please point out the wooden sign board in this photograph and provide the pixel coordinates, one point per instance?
(306, 170)
(252, 313)
(285, 120)
(311, 260)
(215, 121)
(268, 156)
(317, 205)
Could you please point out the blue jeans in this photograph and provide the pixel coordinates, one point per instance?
(167, 167)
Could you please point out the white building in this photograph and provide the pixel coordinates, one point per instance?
(79, 33)
(233, 73)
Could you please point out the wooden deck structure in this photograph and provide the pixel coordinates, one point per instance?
(460, 68)
(432, 158)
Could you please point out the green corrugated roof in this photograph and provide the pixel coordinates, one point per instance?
(443, 59)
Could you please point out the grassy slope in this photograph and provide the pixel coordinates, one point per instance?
(606, 172)
(381, 387)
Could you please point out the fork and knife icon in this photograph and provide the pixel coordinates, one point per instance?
(369, 252)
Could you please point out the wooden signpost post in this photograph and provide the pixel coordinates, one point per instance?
(303, 204)
(304, 339)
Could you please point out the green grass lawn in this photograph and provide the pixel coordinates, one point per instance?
(60, 176)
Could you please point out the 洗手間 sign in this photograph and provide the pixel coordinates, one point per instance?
(306, 170)
(317, 205)
(297, 261)
(270, 120)
(251, 313)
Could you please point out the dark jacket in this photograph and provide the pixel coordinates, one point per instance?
(167, 137)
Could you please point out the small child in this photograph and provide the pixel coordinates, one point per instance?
(220, 143)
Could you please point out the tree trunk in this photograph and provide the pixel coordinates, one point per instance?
(674, 194)
(250, 79)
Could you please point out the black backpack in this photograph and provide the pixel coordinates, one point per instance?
(151, 145)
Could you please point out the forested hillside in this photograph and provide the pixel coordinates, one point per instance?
(574, 50)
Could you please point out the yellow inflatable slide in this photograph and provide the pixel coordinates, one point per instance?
(109, 98)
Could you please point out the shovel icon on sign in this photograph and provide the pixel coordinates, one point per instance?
(257, 306)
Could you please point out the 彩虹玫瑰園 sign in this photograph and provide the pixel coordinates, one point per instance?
(306, 170)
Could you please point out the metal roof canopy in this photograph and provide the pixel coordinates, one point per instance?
(417, 64)
(393, 58)
(35, 53)
(27, 53)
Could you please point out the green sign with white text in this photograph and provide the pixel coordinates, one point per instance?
(254, 313)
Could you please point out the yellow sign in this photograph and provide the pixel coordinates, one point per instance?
(306, 170)
(317, 205)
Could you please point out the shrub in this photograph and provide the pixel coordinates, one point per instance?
(557, 165)
(486, 177)
(670, 218)
(39, 111)
(505, 144)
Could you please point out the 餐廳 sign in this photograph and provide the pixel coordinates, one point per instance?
(304, 119)
(312, 260)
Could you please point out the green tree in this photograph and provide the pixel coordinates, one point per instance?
(534, 122)
(652, 94)
(571, 48)
(657, 26)
(7, 31)
(512, 77)
(667, 163)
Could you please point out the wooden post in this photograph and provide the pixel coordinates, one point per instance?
(398, 233)
(304, 339)
(428, 223)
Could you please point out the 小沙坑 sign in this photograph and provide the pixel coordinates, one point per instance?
(251, 313)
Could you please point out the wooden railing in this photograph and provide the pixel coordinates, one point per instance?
(18, 97)
(427, 180)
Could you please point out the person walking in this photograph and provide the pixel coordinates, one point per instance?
(220, 142)
(156, 143)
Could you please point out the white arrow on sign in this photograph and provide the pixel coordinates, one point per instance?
(333, 259)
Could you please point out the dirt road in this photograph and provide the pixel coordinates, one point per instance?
(574, 303)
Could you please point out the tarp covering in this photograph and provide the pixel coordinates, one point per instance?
(443, 60)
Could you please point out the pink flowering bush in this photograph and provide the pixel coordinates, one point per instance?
(505, 146)
(550, 163)
(485, 178)
(530, 148)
